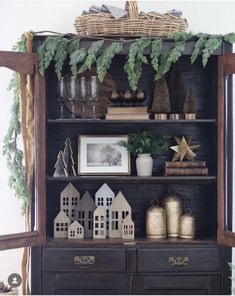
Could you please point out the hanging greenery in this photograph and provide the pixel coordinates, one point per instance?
(210, 46)
(173, 55)
(92, 54)
(11, 151)
(57, 48)
(135, 59)
(105, 60)
(77, 57)
(156, 47)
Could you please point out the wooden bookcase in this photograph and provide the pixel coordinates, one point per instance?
(141, 267)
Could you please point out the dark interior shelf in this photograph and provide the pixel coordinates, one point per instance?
(135, 179)
(138, 241)
(103, 121)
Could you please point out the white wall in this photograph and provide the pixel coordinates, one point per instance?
(17, 17)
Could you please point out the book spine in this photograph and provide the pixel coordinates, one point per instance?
(127, 116)
(127, 110)
(185, 164)
(186, 171)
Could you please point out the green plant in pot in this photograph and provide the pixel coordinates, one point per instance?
(144, 145)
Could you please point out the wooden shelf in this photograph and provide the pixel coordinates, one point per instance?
(103, 121)
(135, 179)
(51, 242)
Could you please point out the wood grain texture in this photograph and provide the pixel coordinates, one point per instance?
(20, 62)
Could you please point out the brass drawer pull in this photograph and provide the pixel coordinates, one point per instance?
(84, 261)
(179, 261)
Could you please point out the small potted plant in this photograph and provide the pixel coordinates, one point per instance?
(144, 145)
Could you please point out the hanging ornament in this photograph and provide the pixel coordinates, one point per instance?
(183, 149)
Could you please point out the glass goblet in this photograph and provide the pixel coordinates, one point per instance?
(94, 94)
(83, 95)
(73, 88)
(62, 95)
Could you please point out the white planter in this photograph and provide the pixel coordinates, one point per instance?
(144, 165)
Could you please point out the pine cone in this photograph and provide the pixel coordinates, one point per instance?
(4, 288)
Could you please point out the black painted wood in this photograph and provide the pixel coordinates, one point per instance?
(176, 285)
(199, 260)
(82, 284)
(59, 259)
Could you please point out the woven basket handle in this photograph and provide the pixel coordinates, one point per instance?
(132, 8)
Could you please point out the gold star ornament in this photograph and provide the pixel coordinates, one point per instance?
(184, 150)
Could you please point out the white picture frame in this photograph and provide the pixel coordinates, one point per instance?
(102, 155)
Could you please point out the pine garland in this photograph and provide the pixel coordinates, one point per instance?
(156, 47)
(92, 53)
(13, 155)
(135, 59)
(104, 61)
(57, 48)
(76, 57)
(210, 46)
(173, 55)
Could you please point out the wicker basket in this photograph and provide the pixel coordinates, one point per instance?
(135, 23)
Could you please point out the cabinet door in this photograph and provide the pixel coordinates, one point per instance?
(26, 64)
(85, 284)
(226, 160)
(176, 285)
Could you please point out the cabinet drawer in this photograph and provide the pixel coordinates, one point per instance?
(84, 260)
(195, 259)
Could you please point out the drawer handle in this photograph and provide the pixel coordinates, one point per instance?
(84, 261)
(179, 261)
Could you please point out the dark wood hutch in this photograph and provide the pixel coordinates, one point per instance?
(141, 267)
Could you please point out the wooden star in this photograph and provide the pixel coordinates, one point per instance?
(184, 150)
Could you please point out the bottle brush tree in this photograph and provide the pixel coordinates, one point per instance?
(190, 102)
(176, 90)
(161, 99)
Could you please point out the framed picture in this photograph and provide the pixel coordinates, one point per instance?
(102, 155)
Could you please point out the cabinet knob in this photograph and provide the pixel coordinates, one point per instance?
(84, 261)
(179, 261)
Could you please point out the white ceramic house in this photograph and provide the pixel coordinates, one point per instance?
(99, 223)
(128, 228)
(75, 230)
(118, 211)
(69, 199)
(61, 224)
(104, 198)
(86, 207)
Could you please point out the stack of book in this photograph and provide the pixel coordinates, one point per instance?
(186, 168)
(127, 113)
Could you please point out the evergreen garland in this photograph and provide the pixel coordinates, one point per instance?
(156, 47)
(230, 37)
(13, 155)
(198, 46)
(92, 53)
(104, 61)
(76, 57)
(56, 48)
(60, 56)
(210, 46)
(173, 55)
(135, 59)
